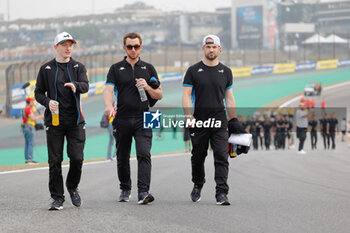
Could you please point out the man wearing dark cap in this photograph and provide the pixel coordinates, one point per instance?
(28, 128)
(58, 87)
(209, 85)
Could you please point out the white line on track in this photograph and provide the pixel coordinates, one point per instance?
(87, 163)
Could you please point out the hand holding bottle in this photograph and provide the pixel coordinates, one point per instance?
(142, 85)
(53, 105)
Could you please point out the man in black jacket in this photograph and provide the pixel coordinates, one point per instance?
(58, 87)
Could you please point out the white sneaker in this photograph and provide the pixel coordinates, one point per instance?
(301, 152)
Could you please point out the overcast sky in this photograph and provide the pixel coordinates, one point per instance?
(30, 9)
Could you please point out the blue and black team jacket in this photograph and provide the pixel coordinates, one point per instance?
(46, 88)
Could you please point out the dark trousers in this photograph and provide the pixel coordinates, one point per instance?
(218, 141)
(313, 135)
(267, 139)
(275, 141)
(255, 141)
(325, 140)
(301, 134)
(261, 141)
(332, 136)
(75, 136)
(126, 128)
(281, 140)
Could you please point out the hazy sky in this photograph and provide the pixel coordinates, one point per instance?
(57, 8)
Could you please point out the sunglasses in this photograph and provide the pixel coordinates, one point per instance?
(136, 47)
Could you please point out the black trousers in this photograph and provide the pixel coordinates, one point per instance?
(75, 136)
(332, 136)
(326, 140)
(313, 135)
(125, 129)
(219, 142)
(301, 134)
(261, 141)
(281, 140)
(267, 139)
(255, 141)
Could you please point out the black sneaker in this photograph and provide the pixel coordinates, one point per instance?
(196, 193)
(125, 196)
(145, 198)
(57, 204)
(221, 199)
(75, 197)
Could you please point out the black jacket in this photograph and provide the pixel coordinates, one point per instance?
(45, 89)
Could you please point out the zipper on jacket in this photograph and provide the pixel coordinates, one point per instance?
(75, 97)
(56, 81)
(133, 72)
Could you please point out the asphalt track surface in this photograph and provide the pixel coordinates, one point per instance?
(270, 191)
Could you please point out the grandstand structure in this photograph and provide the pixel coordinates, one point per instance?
(104, 31)
(254, 33)
(247, 25)
(300, 19)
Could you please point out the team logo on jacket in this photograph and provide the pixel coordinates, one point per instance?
(122, 68)
(151, 120)
(47, 68)
(76, 66)
(200, 70)
(143, 67)
(221, 71)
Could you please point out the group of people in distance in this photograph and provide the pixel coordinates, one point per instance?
(278, 127)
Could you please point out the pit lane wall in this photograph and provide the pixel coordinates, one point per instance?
(19, 95)
(290, 67)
